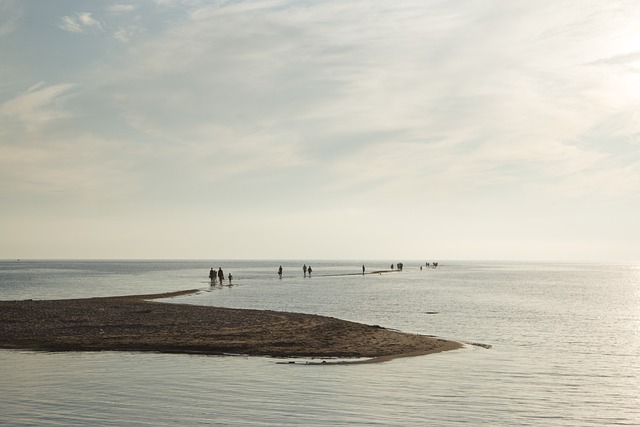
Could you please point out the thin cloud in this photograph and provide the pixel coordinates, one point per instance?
(409, 112)
(623, 59)
(10, 15)
(80, 23)
(74, 166)
(122, 8)
(126, 33)
(524, 99)
(38, 105)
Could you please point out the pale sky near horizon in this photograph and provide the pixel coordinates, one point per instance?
(411, 129)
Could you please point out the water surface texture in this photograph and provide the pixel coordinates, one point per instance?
(565, 347)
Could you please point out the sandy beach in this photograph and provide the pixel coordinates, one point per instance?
(137, 323)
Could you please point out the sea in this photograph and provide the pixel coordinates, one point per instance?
(545, 344)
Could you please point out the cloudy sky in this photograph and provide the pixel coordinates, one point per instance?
(412, 129)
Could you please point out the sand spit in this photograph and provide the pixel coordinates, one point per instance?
(137, 323)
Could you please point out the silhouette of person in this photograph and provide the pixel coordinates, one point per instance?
(280, 272)
(304, 270)
(230, 277)
(212, 276)
(309, 270)
(363, 269)
(220, 275)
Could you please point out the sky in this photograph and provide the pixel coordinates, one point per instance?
(276, 129)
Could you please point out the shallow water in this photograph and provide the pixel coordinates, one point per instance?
(565, 348)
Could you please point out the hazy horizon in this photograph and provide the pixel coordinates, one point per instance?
(408, 263)
(278, 129)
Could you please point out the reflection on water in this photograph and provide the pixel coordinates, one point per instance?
(107, 388)
(565, 348)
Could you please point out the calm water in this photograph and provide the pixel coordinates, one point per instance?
(565, 348)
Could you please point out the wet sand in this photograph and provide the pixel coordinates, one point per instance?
(137, 323)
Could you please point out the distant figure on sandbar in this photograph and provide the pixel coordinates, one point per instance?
(420, 268)
(280, 272)
(392, 266)
(212, 276)
(363, 269)
(304, 270)
(220, 275)
(309, 270)
(230, 277)
(427, 264)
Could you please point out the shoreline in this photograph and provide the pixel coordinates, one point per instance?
(138, 323)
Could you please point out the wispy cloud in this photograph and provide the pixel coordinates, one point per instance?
(500, 88)
(126, 33)
(623, 59)
(306, 108)
(122, 8)
(10, 14)
(80, 23)
(38, 105)
(76, 166)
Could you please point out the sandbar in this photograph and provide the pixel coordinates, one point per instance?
(138, 323)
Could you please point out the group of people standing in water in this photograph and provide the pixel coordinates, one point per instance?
(219, 275)
(306, 271)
